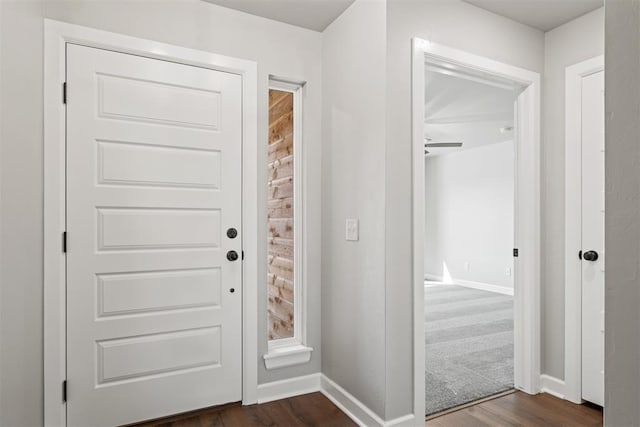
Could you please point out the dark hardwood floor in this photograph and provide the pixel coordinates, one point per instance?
(314, 409)
(520, 409)
(307, 410)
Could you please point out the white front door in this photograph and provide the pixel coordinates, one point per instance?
(153, 185)
(593, 238)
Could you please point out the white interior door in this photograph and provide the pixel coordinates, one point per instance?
(593, 238)
(153, 184)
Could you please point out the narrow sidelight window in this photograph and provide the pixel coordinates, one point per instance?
(286, 305)
(284, 214)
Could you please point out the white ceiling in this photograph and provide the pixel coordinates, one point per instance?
(541, 14)
(466, 110)
(318, 14)
(312, 14)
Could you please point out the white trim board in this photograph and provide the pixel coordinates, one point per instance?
(573, 224)
(504, 290)
(345, 401)
(290, 387)
(56, 36)
(358, 411)
(552, 386)
(527, 209)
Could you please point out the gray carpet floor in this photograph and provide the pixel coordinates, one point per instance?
(468, 345)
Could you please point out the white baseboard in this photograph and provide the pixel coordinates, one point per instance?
(470, 284)
(351, 406)
(356, 410)
(552, 385)
(347, 403)
(434, 278)
(485, 287)
(405, 421)
(287, 388)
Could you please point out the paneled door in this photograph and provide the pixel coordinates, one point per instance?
(154, 285)
(593, 238)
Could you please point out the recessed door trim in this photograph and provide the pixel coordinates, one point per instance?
(573, 225)
(527, 211)
(56, 37)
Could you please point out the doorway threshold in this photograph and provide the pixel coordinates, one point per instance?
(468, 404)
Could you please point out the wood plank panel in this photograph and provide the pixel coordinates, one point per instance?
(280, 147)
(281, 267)
(280, 244)
(276, 96)
(282, 167)
(281, 106)
(280, 208)
(281, 128)
(282, 247)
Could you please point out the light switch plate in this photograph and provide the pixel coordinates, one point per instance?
(351, 229)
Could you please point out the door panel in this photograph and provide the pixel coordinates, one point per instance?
(132, 293)
(153, 179)
(593, 238)
(164, 167)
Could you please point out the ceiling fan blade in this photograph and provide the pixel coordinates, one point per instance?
(443, 144)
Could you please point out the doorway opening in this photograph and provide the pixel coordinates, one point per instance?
(469, 236)
(476, 122)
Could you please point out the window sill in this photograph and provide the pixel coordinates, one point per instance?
(287, 356)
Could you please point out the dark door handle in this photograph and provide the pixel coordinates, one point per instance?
(232, 233)
(590, 256)
(232, 256)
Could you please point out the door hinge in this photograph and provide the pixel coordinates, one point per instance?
(64, 390)
(515, 252)
(64, 241)
(64, 92)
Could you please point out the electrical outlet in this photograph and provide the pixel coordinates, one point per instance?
(351, 229)
(466, 266)
(507, 271)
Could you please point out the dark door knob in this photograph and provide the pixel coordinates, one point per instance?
(590, 256)
(232, 255)
(232, 233)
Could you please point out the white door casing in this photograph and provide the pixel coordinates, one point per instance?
(153, 182)
(593, 238)
(527, 212)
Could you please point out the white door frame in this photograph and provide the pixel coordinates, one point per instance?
(573, 225)
(527, 211)
(56, 37)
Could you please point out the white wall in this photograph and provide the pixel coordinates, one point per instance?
(573, 42)
(469, 214)
(278, 48)
(622, 206)
(353, 293)
(459, 25)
